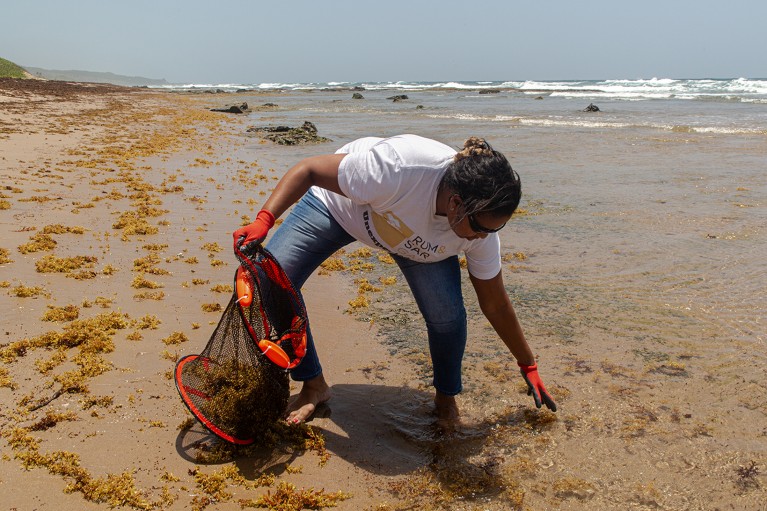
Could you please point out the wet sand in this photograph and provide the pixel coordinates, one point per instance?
(142, 189)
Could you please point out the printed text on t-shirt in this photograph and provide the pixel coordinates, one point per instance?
(412, 245)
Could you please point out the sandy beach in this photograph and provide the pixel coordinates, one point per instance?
(116, 212)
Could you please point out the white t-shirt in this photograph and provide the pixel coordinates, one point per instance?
(391, 193)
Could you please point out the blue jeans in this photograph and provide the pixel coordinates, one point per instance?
(310, 235)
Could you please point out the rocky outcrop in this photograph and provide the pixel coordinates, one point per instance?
(266, 107)
(591, 108)
(232, 109)
(285, 135)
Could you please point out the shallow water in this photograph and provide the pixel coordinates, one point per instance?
(657, 206)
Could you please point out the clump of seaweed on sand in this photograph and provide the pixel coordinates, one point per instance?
(216, 487)
(53, 264)
(101, 301)
(113, 489)
(149, 295)
(5, 256)
(147, 322)
(223, 288)
(38, 242)
(747, 476)
(6, 380)
(175, 338)
(92, 337)
(22, 291)
(276, 435)
(212, 248)
(155, 247)
(148, 264)
(140, 282)
(61, 314)
(50, 419)
(287, 497)
(62, 229)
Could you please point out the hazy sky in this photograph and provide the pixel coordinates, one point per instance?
(238, 41)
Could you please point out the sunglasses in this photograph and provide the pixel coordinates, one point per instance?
(476, 227)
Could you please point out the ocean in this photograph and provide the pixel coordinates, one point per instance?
(694, 105)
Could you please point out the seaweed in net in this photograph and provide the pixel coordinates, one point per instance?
(234, 388)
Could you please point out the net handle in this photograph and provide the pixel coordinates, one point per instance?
(241, 252)
(275, 272)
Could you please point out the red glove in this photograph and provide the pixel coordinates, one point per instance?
(535, 386)
(255, 232)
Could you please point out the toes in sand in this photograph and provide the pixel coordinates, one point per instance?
(313, 393)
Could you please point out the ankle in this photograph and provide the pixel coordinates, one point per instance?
(316, 384)
(443, 399)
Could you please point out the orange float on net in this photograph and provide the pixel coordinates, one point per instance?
(274, 353)
(244, 288)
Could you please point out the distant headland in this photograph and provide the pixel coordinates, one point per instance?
(10, 69)
(93, 77)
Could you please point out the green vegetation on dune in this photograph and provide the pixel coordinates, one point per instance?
(10, 70)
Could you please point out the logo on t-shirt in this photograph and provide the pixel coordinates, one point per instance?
(390, 228)
(397, 235)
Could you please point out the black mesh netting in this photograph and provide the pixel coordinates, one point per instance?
(238, 386)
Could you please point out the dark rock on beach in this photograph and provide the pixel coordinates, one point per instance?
(357, 95)
(399, 97)
(265, 107)
(285, 135)
(490, 91)
(232, 109)
(591, 108)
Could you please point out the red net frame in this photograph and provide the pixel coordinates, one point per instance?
(262, 335)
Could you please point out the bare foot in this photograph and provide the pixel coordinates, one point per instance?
(313, 393)
(448, 416)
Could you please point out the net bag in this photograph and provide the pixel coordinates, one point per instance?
(238, 385)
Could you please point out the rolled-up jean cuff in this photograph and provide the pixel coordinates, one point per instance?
(446, 393)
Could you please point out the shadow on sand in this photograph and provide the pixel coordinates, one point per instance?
(385, 430)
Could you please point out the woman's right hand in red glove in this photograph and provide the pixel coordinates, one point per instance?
(255, 232)
(536, 388)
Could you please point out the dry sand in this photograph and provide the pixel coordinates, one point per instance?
(150, 186)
